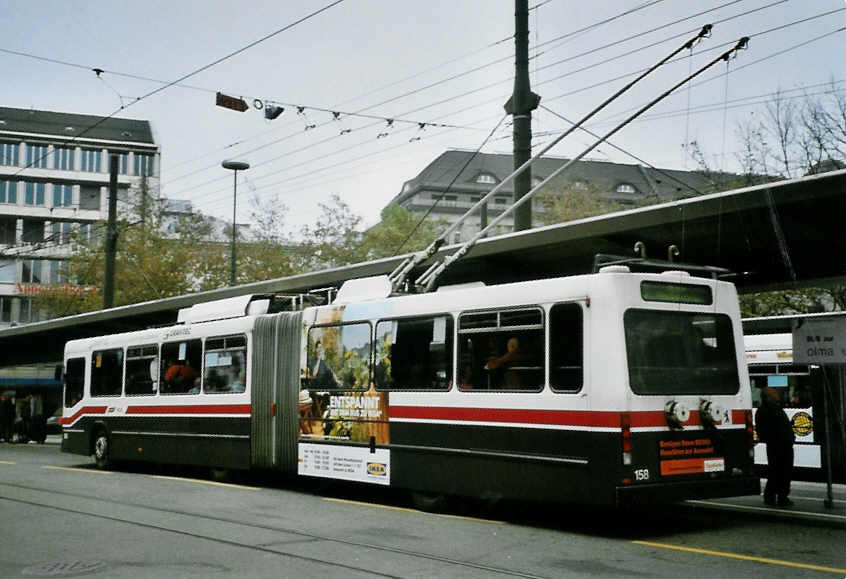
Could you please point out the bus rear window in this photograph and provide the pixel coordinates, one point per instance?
(673, 352)
(676, 293)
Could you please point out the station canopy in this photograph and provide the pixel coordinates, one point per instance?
(784, 234)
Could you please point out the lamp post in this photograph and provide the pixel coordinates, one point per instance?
(234, 166)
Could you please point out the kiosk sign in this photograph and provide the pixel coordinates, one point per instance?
(820, 342)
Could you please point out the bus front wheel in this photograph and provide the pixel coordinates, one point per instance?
(101, 450)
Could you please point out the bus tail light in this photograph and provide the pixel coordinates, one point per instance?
(626, 430)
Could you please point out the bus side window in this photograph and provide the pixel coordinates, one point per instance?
(180, 370)
(501, 350)
(414, 353)
(142, 364)
(566, 338)
(74, 381)
(225, 368)
(107, 372)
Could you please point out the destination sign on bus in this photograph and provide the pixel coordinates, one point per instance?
(677, 293)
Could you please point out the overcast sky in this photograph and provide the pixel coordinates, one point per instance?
(448, 62)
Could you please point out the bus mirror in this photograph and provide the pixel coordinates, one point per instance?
(58, 373)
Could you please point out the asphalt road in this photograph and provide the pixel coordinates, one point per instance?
(61, 517)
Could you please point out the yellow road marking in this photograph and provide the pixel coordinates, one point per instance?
(7, 462)
(742, 557)
(70, 468)
(206, 482)
(414, 511)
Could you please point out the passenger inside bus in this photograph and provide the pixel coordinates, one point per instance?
(180, 376)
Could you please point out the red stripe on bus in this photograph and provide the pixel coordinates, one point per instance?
(586, 418)
(192, 409)
(84, 410)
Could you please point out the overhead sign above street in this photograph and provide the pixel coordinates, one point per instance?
(821, 342)
(230, 102)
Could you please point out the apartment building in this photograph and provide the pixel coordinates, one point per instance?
(54, 181)
(453, 182)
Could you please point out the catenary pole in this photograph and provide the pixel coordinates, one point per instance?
(111, 236)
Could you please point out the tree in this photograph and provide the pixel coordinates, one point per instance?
(564, 200)
(794, 138)
(157, 256)
(399, 231)
(269, 253)
(334, 239)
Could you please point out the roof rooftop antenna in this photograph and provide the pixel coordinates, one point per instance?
(427, 281)
(400, 274)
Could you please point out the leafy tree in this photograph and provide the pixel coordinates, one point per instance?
(399, 231)
(564, 200)
(150, 263)
(334, 239)
(269, 253)
(790, 139)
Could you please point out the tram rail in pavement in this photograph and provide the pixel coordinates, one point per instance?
(808, 501)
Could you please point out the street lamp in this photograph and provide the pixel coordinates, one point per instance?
(234, 166)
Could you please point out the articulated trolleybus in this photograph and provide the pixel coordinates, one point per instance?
(606, 388)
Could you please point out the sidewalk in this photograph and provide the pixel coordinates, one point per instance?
(808, 498)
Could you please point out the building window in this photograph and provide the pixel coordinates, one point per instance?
(33, 193)
(500, 200)
(7, 271)
(86, 233)
(123, 163)
(5, 310)
(450, 197)
(36, 156)
(33, 231)
(91, 160)
(485, 179)
(58, 274)
(26, 313)
(61, 232)
(7, 230)
(626, 188)
(31, 271)
(143, 164)
(9, 154)
(64, 158)
(89, 197)
(8, 192)
(62, 195)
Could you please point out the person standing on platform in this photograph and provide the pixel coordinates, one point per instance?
(775, 430)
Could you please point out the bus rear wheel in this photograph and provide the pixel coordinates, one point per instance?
(101, 450)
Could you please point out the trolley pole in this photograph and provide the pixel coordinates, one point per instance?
(520, 106)
(111, 236)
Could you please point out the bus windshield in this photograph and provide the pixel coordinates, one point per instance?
(671, 352)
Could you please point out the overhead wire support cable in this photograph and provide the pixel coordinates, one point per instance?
(427, 281)
(400, 274)
(187, 76)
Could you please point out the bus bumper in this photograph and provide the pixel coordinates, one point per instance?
(682, 490)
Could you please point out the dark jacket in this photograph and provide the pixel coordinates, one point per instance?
(773, 426)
